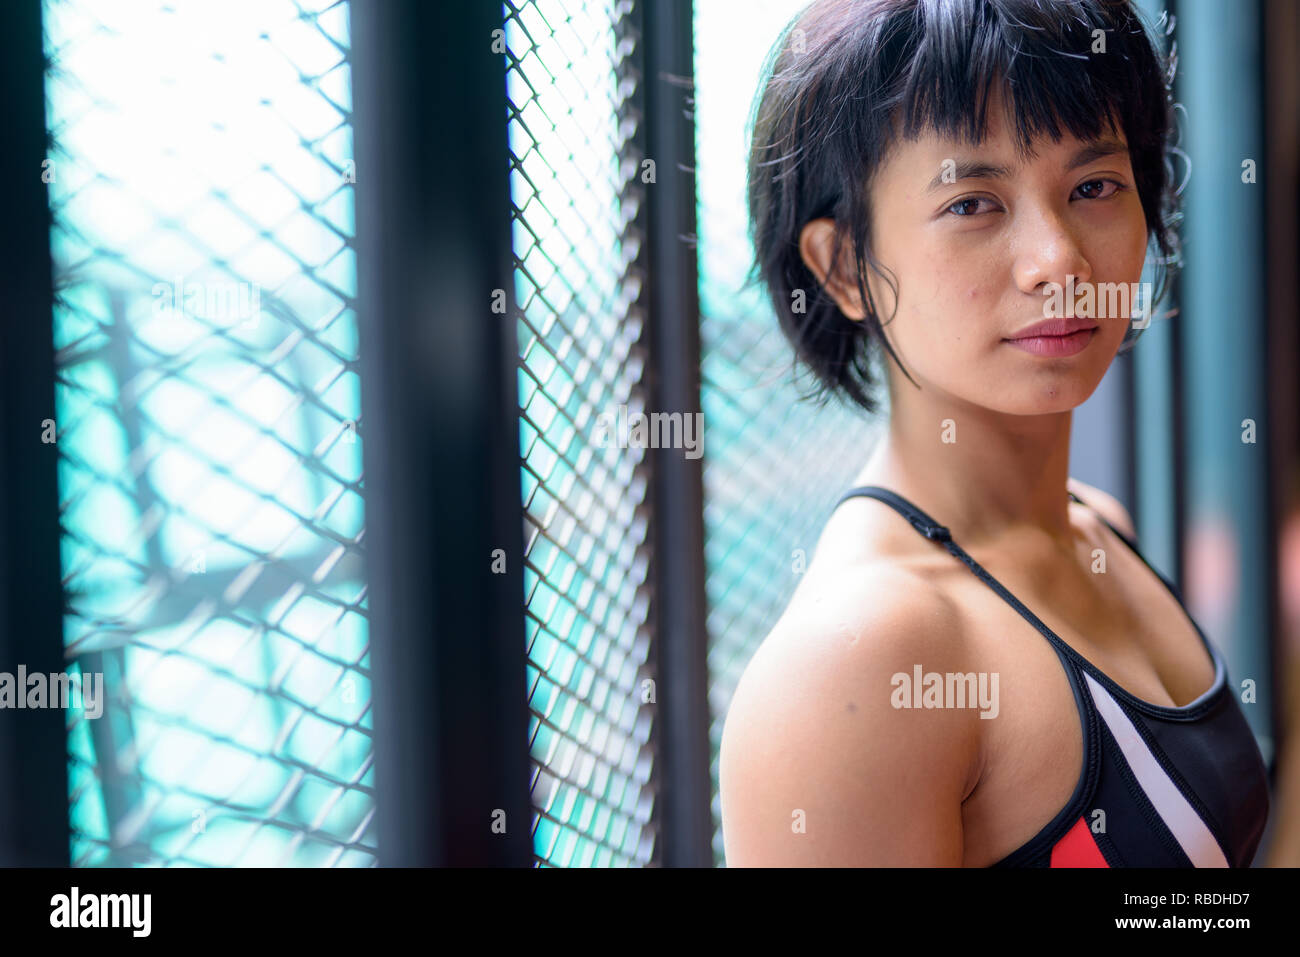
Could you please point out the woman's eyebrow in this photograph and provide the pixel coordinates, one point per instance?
(966, 169)
(978, 169)
(1095, 150)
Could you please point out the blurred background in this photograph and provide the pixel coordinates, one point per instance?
(313, 308)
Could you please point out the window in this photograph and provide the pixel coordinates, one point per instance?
(774, 466)
(208, 432)
(575, 191)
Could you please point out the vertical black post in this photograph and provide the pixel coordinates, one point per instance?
(1178, 426)
(33, 746)
(1128, 482)
(1280, 36)
(441, 436)
(686, 826)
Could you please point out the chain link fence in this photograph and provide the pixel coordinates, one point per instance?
(207, 410)
(774, 466)
(208, 424)
(571, 86)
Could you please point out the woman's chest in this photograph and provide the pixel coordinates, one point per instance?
(1033, 752)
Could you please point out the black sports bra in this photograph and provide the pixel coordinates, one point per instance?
(1160, 786)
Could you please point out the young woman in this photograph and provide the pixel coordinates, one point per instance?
(978, 667)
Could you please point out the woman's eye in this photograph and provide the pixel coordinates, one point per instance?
(1099, 186)
(965, 207)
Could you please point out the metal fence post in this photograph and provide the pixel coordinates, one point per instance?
(441, 434)
(678, 484)
(33, 747)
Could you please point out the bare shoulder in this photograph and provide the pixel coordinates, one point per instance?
(819, 763)
(1106, 505)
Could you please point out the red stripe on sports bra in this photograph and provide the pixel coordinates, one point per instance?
(1077, 848)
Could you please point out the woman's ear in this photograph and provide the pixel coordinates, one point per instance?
(816, 245)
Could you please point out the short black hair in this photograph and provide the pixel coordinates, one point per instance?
(846, 75)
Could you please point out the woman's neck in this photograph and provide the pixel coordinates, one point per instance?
(979, 471)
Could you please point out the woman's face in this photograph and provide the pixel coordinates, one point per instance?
(974, 237)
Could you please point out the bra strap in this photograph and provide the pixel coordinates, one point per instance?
(932, 530)
(1105, 521)
(922, 522)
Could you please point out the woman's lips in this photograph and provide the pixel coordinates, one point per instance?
(1055, 346)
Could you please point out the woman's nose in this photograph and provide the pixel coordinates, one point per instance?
(1048, 252)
